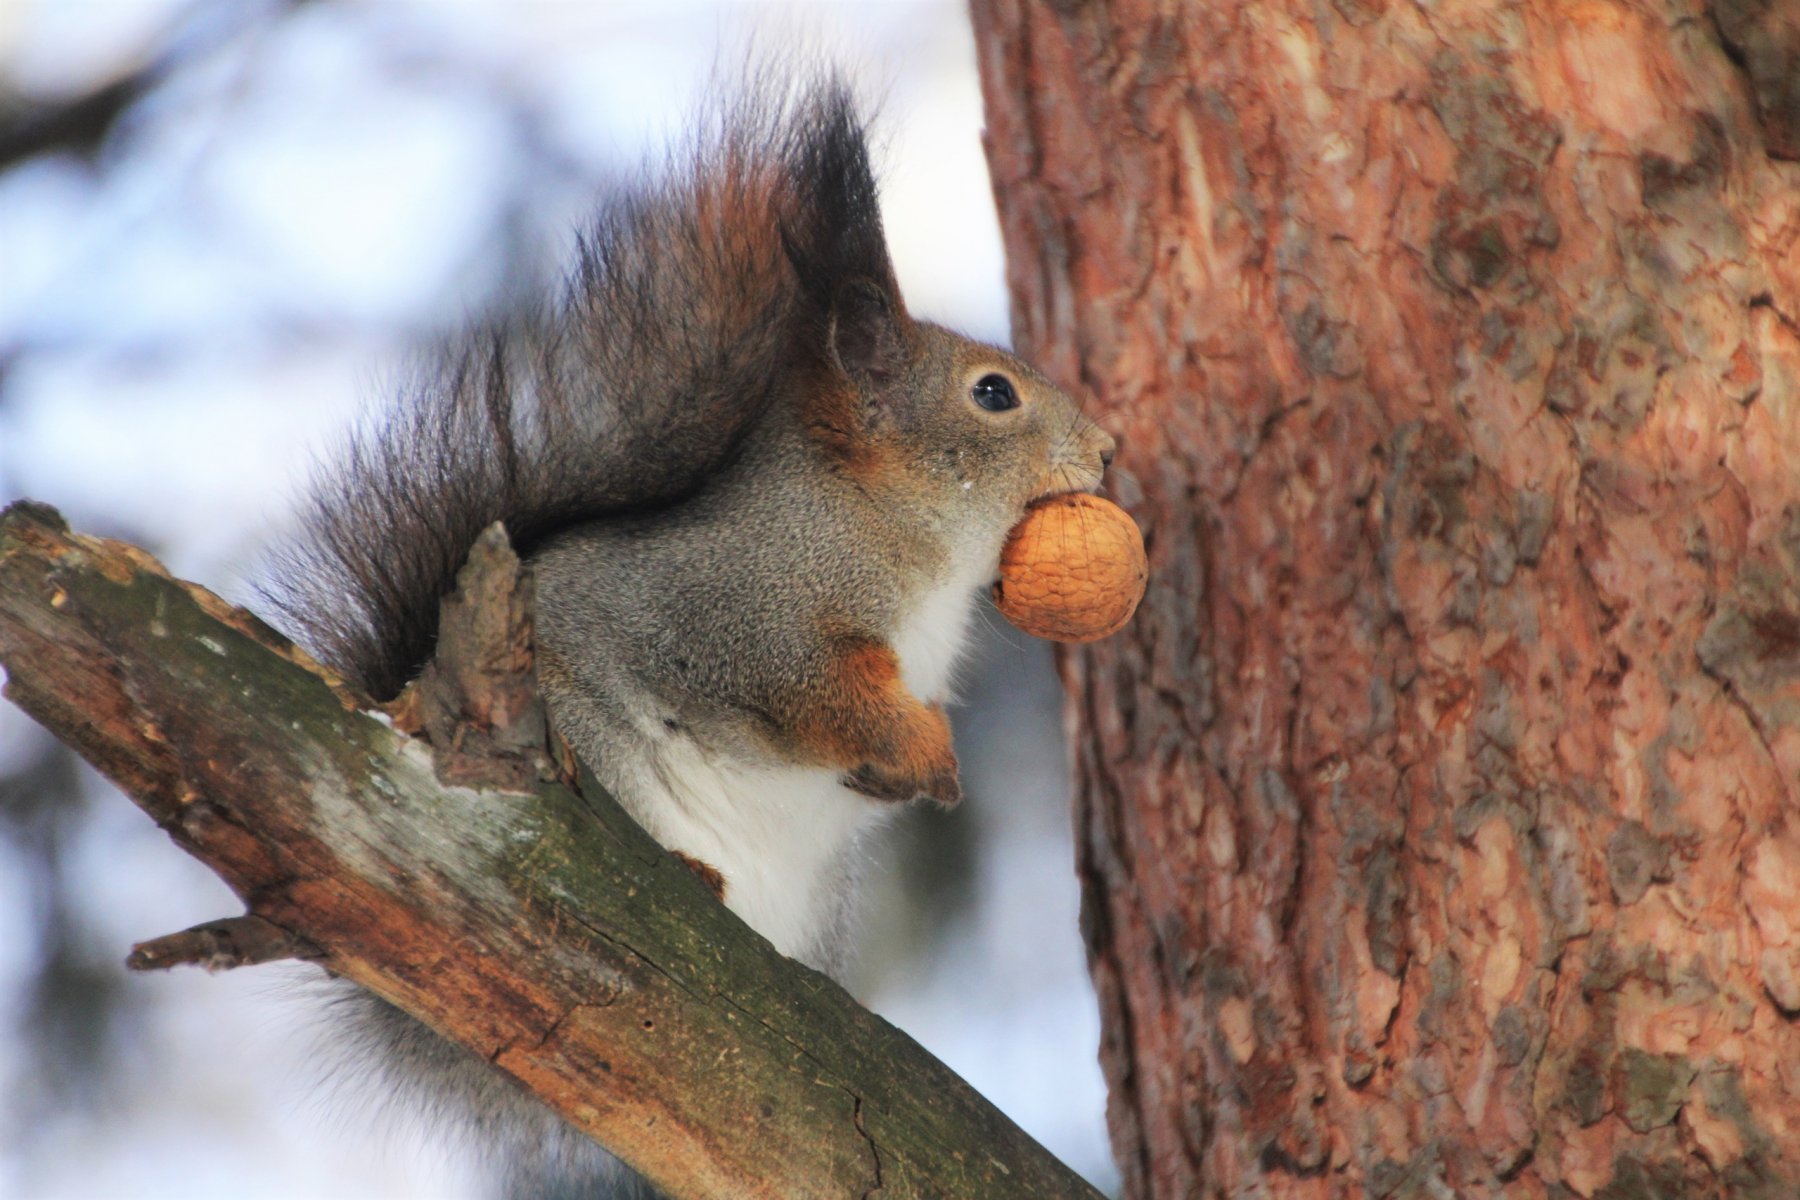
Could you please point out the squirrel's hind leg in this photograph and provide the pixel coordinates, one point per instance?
(890, 744)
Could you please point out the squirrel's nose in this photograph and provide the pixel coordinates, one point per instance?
(1107, 445)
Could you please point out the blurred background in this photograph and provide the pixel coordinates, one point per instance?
(224, 226)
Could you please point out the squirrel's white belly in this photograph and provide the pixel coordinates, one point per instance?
(930, 639)
(782, 837)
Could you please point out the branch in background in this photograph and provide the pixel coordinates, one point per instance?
(80, 124)
(516, 909)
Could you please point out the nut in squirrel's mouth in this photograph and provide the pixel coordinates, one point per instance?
(1061, 479)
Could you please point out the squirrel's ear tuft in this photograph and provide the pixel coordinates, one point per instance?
(830, 227)
(865, 337)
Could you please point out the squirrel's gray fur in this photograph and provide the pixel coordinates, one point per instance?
(674, 331)
(759, 502)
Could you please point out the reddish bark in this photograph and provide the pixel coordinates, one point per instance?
(1437, 813)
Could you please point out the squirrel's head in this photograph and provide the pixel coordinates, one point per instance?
(967, 432)
(960, 435)
(987, 426)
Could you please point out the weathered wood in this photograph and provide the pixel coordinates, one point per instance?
(220, 946)
(1438, 817)
(533, 922)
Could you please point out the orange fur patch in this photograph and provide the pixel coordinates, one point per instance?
(865, 721)
(709, 874)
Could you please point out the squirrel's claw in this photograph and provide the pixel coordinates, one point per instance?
(941, 787)
(870, 781)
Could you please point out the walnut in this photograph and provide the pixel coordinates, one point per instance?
(1073, 570)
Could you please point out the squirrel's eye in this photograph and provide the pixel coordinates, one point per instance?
(995, 393)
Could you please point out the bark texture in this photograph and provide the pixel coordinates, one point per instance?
(480, 879)
(1437, 813)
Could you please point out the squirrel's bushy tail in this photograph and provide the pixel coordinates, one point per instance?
(697, 291)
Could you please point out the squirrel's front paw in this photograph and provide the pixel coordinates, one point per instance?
(896, 748)
(941, 786)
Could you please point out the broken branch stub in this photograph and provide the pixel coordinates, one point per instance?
(477, 700)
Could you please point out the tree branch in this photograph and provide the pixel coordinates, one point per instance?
(519, 913)
(220, 945)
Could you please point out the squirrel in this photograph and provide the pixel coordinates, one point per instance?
(760, 501)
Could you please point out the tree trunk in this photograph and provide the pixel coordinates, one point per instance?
(1437, 813)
